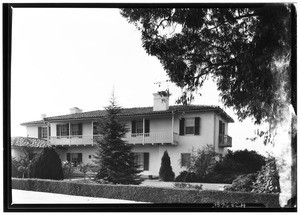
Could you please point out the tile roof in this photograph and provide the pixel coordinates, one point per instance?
(139, 111)
(29, 142)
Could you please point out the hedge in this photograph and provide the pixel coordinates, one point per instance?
(144, 193)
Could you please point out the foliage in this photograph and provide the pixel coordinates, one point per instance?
(68, 168)
(46, 166)
(243, 183)
(267, 180)
(186, 176)
(202, 162)
(247, 50)
(14, 167)
(84, 168)
(144, 193)
(165, 172)
(187, 186)
(114, 157)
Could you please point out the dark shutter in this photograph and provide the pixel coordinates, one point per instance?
(146, 161)
(39, 132)
(68, 129)
(147, 126)
(133, 127)
(57, 130)
(49, 131)
(181, 126)
(197, 126)
(79, 158)
(220, 127)
(80, 129)
(68, 157)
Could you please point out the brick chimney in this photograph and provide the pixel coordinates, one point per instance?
(75, 110)
(160, 101)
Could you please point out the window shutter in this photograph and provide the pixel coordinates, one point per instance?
(57, 130)
(197, 125)
(146, 161)
(68, 157)
(147, 126)
(80, 157)
(181, 126)
(49, 131)
(39, 132)
(220, 127)
(133, 127)
(68, 129)
(80, 129)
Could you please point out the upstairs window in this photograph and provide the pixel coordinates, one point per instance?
(95, 128)
(42, 132)
(137, 126)
(76, 129)
(189, 126)
(62, 130)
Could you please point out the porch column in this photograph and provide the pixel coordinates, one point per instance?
(143, 130)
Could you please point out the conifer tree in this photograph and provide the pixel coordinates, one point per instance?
(114, 156)
(165, 172)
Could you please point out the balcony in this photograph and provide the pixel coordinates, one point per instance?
(225, 141)
(153, 138)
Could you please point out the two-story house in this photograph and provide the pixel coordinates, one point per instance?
(152, 130)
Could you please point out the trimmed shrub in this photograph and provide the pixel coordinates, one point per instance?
(46, 166)
(187, 186)
(165, 172)
(145, 194)
(186, 176)
(268, 179)
(243, 183)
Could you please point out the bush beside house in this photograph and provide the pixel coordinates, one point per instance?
(165, 172)
(46, 166)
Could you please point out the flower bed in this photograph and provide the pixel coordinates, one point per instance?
(145, 194)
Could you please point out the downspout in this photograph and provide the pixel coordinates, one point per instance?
(214, 131)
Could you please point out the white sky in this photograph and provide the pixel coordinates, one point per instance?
(63, 58)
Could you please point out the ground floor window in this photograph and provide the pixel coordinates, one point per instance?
(75, 158)
(142, 160)
(185, 159)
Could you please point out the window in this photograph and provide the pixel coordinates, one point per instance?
(185, 159)
(142, 160)
(189, 126)
(42, 132)
(75, 158)
(137, 127)
(76, 129)
(221, 131)
(95, 128)
(62, 130)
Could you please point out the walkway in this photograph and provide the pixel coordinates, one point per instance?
(32, 197)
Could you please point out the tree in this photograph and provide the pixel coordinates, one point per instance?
(165, 172)
(68, 168)
(202, 162)
(115, 159)
(246, 50)
(46, 166)
(84, 168)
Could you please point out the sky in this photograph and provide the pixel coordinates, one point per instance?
(64, 58)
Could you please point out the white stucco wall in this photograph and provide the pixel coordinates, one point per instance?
(32, 131)
(209, 131)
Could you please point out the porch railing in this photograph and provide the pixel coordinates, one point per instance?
(225, 141)
(132, 138)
